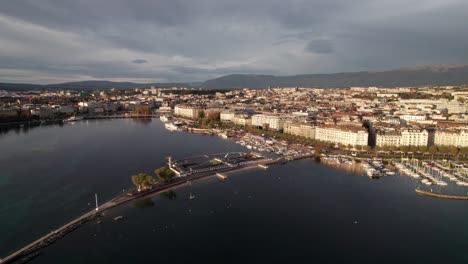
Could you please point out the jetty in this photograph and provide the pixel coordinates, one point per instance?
(188, 170)
(221, 176)
(440, 195)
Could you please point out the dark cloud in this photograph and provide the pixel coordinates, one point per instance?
(320, 46)
(140, 61)
(194, 40)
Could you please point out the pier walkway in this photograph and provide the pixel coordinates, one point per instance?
(27, 252)
(439, 195)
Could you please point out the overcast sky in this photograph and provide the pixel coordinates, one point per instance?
(47, 41)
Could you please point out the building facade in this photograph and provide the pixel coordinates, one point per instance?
(353, 136)
(186, 111)
(388, 138)
(272, 122)
(451, 138)
(414, 137)
(298, 129)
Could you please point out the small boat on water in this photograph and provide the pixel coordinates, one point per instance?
(118, 218)
(165, 118)
(73, 119)
(171, 126)
(191, 197)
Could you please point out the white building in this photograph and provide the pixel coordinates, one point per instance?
(414, 137)
(186, 111)
(227, 116)
(243, 120)
(410, 118)
(354, 136)
(388, 138)
(457, 138)
(272, 122)
(298, 129)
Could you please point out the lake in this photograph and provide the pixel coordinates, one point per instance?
(302, 211)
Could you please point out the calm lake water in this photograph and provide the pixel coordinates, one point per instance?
(301, 211)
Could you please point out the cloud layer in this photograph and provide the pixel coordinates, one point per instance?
(47, 41)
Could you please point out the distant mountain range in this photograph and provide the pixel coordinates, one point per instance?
(90, 85)
(431, 75)
(436, 75)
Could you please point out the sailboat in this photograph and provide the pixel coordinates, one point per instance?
(191, 197)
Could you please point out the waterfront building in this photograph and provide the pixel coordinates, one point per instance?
(391, 138)
(186, 111)
(355, 136)
(299, 129)
(457, 138)
(227, 116)
(273, 122)
(243, 120)
(414, 137)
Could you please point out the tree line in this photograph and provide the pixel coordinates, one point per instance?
(144, 181)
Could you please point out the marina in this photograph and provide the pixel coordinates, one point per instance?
(433, 172)
(375, 169)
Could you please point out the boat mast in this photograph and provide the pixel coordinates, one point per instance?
(97, 206)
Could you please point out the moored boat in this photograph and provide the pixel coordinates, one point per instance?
(73, 119)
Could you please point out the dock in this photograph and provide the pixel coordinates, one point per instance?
(439, 195)
(221, 176)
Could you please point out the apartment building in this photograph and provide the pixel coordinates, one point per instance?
(414, 137)
(227, 116)
(273, 122)
(457, 138)
(298, 129)
(354, 136)
(186, 111)
(391, 138)
(243, 120)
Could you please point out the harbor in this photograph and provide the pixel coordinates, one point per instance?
(375, 169)
(434, 172)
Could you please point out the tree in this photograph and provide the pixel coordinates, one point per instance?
(201, 114)
(422, 149)
(142, 181)
(142, 110)
(366, 148)
(454, 150)
(318, 151)
(464, 151)
(443, 149)
(433, 149)
(414, 149)
(165, 173)
(404, 149)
